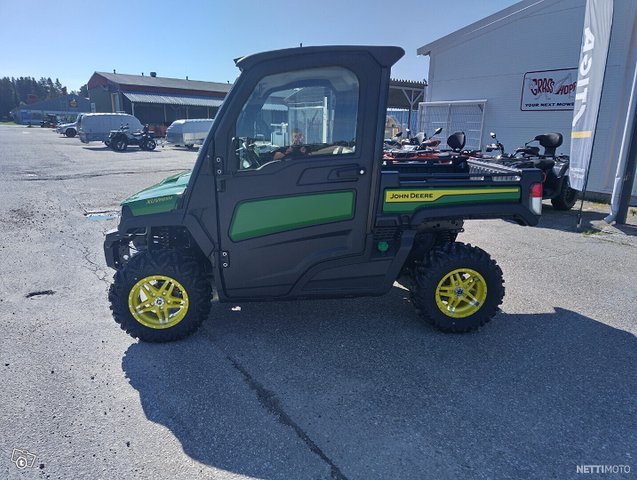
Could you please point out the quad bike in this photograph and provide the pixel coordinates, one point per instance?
(49, 121)
(416, 143)
(426, 149)
(555, 184)
(120, 139)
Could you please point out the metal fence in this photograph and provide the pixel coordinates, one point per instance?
(398, 121)
(455, 116)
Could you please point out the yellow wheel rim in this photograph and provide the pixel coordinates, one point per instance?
(158, 302)
(461, 293)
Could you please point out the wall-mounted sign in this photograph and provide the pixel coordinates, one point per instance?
(549, 90)
(73, 103)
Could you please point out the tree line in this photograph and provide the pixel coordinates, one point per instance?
(24, 90)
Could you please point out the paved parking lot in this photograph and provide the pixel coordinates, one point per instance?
(355, 389)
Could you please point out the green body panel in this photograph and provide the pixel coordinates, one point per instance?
(159, 198)
(254, 218)
(409, 200)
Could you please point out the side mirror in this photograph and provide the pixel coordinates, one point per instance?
(437, 130)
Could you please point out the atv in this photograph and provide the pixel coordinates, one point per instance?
(555, 168)
(250, 223)
(120, 139)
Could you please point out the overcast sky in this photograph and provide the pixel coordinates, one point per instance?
(200, 39)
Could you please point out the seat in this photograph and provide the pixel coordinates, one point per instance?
(550, 142)
(456, 141)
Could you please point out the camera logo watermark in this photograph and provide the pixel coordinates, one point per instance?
(596, 469)
(23, 458)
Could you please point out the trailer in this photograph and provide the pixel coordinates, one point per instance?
(188, 132)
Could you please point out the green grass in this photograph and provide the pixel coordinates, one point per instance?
(591, 231)
(8, 123)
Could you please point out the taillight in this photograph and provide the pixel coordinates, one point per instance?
(535, 198)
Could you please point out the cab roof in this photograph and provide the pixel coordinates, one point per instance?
(386, 56)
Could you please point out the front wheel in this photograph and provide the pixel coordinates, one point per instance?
(458, 288)
(149, 145)
(160, 297)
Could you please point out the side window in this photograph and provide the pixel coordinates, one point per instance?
(298, 114)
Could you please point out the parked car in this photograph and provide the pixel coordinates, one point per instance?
(188, 132)
(69, 129)
(97, 126)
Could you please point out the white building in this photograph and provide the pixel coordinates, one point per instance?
(515, 72)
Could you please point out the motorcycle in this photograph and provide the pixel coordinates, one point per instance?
(555, 184)
(120, 139)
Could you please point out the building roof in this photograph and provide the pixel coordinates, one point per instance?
(64, 103)
(174, 91)
(492, 22)
(160, 82)
(405, 93)
(190, 100)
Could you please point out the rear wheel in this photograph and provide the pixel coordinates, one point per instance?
(458, 288)
(566, 198)
(70, 132)
(160, 297)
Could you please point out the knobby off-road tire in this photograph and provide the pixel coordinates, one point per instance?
(566, 198)
(160, 297)
(119, 143)
(149, 145)
(457, 288)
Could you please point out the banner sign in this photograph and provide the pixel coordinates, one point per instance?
(549, 90)
(590, 80)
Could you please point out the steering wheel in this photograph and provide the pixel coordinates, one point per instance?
(252, 156)
(248, 154)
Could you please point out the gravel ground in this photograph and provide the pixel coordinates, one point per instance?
(356, 389)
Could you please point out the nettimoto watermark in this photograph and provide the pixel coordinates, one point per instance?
(23, 458)
(607, 469)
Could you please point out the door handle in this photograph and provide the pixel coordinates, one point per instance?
(347, 173)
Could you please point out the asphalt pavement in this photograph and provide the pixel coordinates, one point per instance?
(331, 389)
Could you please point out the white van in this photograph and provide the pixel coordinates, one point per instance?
(189, 132)
(96, 126)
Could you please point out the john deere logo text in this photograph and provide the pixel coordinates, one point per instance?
(409, 196)
(393, 196)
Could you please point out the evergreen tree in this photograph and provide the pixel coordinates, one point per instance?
(17, 91)
(7, 97)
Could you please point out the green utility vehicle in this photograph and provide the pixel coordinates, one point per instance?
(290, 198)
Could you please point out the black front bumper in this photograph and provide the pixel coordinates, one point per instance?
(115, 247)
